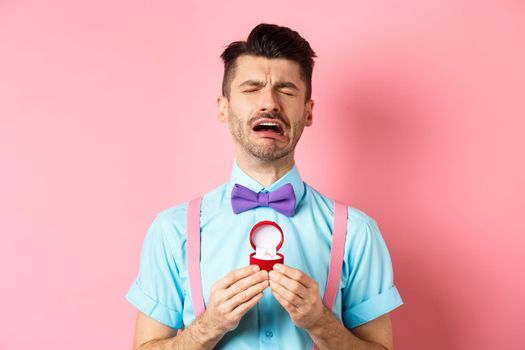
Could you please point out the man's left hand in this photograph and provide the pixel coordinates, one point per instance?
(298, 294)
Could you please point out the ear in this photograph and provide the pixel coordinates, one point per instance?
(308, 113)
(222, 105)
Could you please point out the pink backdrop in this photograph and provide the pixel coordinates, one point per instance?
(107, 116)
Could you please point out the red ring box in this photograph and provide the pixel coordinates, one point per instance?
(266, 237)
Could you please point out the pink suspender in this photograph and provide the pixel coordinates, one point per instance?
(193, 254)
(336, 256)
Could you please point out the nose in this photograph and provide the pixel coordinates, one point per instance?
(269, 101)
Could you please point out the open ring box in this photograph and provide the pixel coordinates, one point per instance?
(266, 237)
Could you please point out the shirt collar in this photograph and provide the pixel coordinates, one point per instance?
(238, 176)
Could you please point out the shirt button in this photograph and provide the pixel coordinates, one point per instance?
(269, 334)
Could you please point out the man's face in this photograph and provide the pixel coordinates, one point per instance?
(266, 110)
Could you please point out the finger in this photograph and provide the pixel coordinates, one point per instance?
(285, 294)
(235, 275)
(296, 275)
(245, 283)
(240, 310)
(246, 295)
(285, 303)
(288, 283)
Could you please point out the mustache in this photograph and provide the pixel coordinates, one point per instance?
(270, 115)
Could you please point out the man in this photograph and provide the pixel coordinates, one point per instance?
(267, 103)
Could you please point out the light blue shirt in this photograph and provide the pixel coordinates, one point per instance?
(161, 289)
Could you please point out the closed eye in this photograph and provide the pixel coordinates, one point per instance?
(251, 85)
(286, 88)
(287, 92)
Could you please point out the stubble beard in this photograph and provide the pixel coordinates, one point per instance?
(265, 152)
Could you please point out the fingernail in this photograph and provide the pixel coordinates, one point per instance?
(277, 267)
(272, 275)
(255, 268)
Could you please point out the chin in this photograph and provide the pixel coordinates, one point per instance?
(270, 156)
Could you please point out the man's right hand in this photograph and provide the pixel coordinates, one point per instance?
(233, 296)
(230, 298)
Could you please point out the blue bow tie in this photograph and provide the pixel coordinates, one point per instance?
(282, 199)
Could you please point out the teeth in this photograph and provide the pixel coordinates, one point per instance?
(269, 124)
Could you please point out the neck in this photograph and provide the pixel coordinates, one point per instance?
(265, 172)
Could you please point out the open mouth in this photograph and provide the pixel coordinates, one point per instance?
(269, 127)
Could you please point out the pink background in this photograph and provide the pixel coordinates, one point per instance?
(108, 116)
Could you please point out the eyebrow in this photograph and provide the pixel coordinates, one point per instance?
(250, 82)
(277, 85)
(285, 84)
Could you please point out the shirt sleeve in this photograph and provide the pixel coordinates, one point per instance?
(157, 291)
(369, 291)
